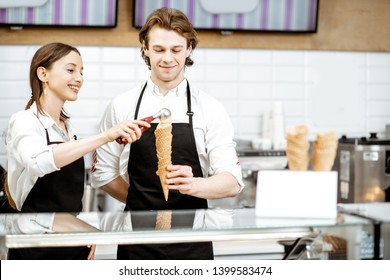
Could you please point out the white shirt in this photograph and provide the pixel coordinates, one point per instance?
(29, 156)
(213, 130)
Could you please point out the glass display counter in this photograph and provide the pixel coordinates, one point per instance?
(217, 225)
(379, 216)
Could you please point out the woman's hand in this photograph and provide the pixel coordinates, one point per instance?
(128, 131)
(91, 254)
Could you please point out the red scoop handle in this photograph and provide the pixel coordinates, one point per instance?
(147, 119)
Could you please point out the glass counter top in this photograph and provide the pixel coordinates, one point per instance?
(376, 210)
(139, 227)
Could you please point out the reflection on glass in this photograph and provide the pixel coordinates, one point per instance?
(42, 223)
(36, 223)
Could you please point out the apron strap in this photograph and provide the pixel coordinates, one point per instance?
(189, 112)
(139, 101)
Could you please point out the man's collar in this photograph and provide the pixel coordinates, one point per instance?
(177, 90)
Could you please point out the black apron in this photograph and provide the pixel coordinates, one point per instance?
(59, 191)
(145, 193)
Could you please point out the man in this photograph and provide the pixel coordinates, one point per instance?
(205, 164)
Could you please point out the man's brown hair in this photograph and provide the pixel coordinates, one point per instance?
(172, 20)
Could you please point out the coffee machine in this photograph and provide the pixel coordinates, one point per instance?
(363, 166)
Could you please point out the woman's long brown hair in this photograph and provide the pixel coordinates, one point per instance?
(45, 56)
(4, 182)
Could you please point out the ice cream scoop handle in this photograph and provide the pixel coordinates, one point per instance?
(147, 119)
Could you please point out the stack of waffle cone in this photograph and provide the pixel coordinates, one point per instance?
(164, 219)
(163, 135)
(297, 149)
(325, 149)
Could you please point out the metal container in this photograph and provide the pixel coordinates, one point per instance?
(363, 166)
(251, 162)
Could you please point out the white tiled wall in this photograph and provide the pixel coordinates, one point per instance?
(345, 91)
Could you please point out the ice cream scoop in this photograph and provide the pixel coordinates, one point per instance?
(164, 113)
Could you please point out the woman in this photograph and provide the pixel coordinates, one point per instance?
(45, 159)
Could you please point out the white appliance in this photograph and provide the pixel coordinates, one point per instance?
(297, 194)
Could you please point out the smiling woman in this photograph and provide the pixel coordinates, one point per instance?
(45, 159)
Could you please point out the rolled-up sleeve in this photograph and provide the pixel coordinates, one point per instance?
(220, 149)
(30, 148)
(29, 157)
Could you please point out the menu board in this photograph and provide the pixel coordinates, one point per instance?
(238, 15)
(84, 13)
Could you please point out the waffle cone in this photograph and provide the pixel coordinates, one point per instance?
(164, 219)
(323, 159)
(325, 149)
(322, 164)
(326, 140)
(163, 177)
(298, 144)
(163, 135)
(325, 146)
(328, 135)
(297, 161)
(298, 131)
(297, 149)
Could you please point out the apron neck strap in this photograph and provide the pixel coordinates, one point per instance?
(139, 101)
(189, 112)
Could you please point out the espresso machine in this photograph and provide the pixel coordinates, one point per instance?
(363, 166)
